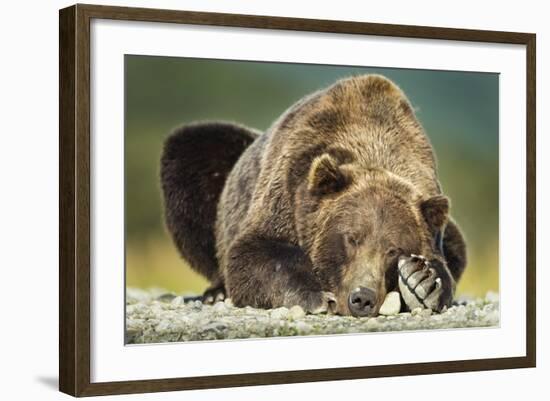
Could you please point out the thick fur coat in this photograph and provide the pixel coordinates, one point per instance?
(328, 209)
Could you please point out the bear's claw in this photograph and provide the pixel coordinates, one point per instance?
(328, 303)
(213, 295)
(421, 284)
(320, 302)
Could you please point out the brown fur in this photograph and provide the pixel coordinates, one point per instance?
(328, 198)
(194, 168)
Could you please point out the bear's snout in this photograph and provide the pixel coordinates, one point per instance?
(362, 301)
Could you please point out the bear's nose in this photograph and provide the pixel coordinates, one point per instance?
(361, 301)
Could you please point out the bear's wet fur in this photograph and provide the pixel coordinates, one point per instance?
(318, 210)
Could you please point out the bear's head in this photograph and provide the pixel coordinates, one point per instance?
(356, 222)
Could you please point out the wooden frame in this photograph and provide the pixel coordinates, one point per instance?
(74, 200)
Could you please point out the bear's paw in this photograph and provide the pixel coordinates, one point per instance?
(424, 284)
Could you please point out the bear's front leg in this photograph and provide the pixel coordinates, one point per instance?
(425, 284)
(265, 273)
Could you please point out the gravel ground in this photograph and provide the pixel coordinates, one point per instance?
(155, 316)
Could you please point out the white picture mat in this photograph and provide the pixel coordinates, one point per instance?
(113, 361)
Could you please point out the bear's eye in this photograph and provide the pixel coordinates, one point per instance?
(353, 240)
(393, 252)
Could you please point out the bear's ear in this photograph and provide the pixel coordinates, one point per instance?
(326, 176)
(435, 211)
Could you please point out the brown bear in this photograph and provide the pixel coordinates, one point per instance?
(334, 206)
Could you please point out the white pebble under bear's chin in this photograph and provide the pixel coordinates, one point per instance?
(391, 305)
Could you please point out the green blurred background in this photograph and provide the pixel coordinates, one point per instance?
(459, 111)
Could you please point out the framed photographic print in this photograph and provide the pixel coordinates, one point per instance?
(296, 200)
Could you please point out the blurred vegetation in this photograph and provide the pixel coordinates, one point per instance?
(459, 111)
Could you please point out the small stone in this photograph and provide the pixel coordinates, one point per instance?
(372, 323)
(425, 312)
(280, 313)
(162, 326)
(177, 301)
(391, 305)
(404, 315)
(303, 327)
(228, 302)
(416, 311)
(297, 312)
(214, 326)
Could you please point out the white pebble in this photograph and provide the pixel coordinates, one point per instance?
(279, 313)
(391, 305)
(303, 327)
(162, 326)
(416, 311)
(219, 307)
(297, 312)
(426, 312)
(372, 323)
